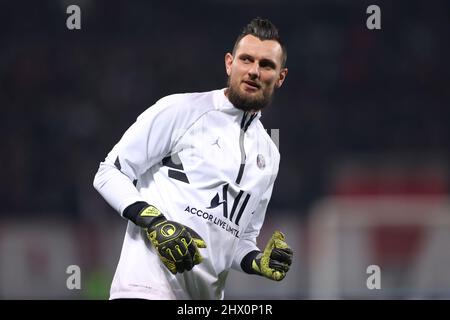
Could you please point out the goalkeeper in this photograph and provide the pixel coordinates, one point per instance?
(194, 176)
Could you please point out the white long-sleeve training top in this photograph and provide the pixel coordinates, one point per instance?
(203, 163)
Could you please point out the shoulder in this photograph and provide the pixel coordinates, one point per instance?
(271, 136)
(187, 97)
(196, 102)
(186, 105)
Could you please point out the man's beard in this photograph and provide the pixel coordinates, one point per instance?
(248, 103)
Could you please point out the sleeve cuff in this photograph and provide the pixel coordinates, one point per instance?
(247, 261)
(131, 212)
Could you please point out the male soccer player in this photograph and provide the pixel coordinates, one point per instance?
(194, 175)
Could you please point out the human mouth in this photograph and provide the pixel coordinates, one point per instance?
(251, 85)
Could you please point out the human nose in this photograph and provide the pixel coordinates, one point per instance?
(254, 71)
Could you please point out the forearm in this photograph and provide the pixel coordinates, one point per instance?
(244, 248)
(115, 187)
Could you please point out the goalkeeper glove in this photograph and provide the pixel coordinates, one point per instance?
(275, 260)
(176, 244)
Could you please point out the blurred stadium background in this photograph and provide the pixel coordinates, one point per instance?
(364, 120)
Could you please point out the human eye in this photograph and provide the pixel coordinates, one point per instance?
(245, 59)
(266, 64)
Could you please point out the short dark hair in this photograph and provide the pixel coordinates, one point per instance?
(263, 29)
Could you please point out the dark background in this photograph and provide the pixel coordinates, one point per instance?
(67, 96)
(361, 113)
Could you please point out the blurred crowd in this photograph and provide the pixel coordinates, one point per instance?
(67, 96)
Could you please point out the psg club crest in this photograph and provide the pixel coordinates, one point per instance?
(260, 161)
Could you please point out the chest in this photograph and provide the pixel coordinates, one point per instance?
(216, 151)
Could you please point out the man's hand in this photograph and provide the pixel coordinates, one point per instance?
(177, 245)
(276, 259)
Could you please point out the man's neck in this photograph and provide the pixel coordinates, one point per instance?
(251, 111)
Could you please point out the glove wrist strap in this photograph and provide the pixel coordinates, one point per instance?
(247, 261)
(143, 214)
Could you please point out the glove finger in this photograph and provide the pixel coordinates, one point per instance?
(192, 249)
(195, 254)
(188, 250)
(197, 257)
(196, 237)
(188, 257)
(278, 266)
(170, 265)
(281, 244)
(278, 236)
(188, 261)
(172, 253)
(183, 244)
(179, 265)
(180, 250)
(199, 243)
(278, 275)
(282, 255)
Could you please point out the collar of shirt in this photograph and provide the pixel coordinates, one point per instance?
(222, 103)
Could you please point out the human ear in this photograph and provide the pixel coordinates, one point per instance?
(228, 62)
(281, 77)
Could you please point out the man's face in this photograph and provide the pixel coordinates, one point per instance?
(254, 72)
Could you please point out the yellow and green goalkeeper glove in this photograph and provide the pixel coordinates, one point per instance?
(176, 244)
(275, 260)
